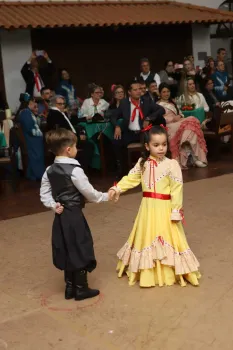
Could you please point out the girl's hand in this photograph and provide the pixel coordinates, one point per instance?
(59, 209)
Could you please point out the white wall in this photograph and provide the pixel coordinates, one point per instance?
(201, 42)
(16, 49)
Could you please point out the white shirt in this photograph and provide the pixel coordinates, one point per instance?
(134, 125)
(88, 110)
(66, 118)
(156, 78)
(79, 180)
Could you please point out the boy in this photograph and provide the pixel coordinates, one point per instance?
(64, 188)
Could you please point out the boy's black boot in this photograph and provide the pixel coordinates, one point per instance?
(82, 291)
(69, 291)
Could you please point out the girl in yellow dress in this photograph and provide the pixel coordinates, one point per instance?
(157, 252)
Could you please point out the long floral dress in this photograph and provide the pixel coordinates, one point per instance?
(157, 252)
(185, 136)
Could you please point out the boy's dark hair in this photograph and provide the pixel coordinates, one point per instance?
(59, 139)
(155, 130)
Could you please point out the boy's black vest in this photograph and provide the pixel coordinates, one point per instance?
(63, 189)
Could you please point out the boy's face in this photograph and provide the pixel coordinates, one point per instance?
(72, 151)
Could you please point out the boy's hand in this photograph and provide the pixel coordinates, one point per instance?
(59, 209)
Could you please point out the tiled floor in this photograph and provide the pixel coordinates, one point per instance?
(26, 200)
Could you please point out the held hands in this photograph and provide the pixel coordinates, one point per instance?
(59, 209)
(113, 195)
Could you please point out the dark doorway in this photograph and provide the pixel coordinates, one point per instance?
(111, 55)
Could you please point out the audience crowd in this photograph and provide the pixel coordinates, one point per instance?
(178, 97)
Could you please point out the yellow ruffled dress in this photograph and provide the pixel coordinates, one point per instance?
(157, 252)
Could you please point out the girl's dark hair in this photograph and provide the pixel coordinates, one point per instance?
(155, 130)
(166, 86)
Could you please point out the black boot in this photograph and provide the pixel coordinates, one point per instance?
(69, 291)
(82, 291)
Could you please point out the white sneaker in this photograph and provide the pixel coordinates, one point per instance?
(200, 164)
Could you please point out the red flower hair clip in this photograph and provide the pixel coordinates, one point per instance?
(164, 127)
(147, 128)
(113, 87)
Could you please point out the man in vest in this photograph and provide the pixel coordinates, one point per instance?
(146, 73)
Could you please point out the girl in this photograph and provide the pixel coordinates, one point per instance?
(186, 138)
(156, 252)
(64, 188)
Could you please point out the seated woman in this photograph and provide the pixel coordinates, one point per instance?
(192, 97)
(170, 76)
(187, 73)
(209, 68)
(67, 90)
(34, 140)
(212, 101)
(186, 138)
(95, 104)
(209, 94)
(118, 93)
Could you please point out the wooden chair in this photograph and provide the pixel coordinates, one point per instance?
(221, 119)
(133, 148)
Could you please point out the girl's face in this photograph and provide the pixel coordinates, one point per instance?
(119, 94)
(157, 145)
(165, 94)
(191, 86)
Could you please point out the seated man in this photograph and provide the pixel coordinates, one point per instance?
(57, 118)
(223, 90)
(136, 113)
(43, 104)
(152, 93)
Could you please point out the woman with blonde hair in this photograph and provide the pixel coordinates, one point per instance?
(192, 97)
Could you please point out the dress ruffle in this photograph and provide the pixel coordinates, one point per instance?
(182, 262)
(192, 124)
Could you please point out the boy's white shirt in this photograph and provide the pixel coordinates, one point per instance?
(79, 180)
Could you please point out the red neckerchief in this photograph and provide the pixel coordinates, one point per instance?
(137, 108)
